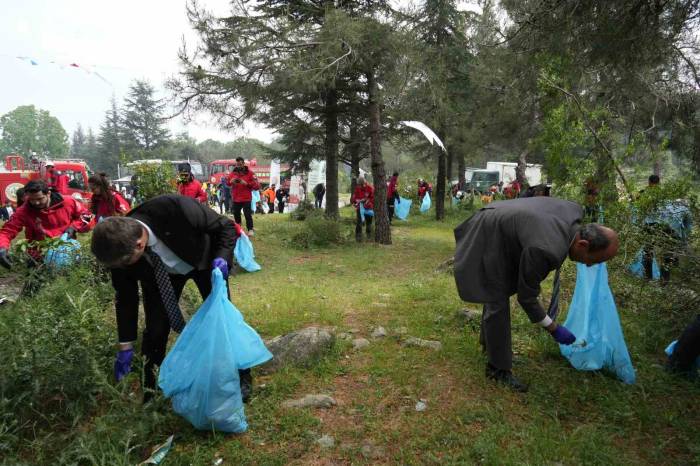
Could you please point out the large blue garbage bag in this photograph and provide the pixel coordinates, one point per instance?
(425, 205)
(64, 255)
(254, 200)
(637, 268)
(365, 212)
(402, 207)
(672, 347)
(200, 374)
(593, 318)
(245, 255)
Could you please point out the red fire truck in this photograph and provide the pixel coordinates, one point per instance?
(221, 168)
(15, 173)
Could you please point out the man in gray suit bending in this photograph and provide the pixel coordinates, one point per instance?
(509, 248)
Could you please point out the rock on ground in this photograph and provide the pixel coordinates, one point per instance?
(311, 401)
(467, 315)
(446, 266)
(326, 441)
(379, 332)
(360, 343)
(300, 348)
(432, 344)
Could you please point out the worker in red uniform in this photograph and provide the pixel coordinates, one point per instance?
(243, 182)
(392, 195)
(105, 201)
(44, 214)
(188, 186)
(423, 188)
(56, 180)
(363, 194)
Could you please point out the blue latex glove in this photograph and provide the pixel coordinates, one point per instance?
(563, 336)
(122, 365)
(220, 263)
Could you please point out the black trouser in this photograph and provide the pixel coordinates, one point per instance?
(227, 204)
(495, 334)
(155, 335)
(358, 226)
(654, 232)
(280, 206)
(247, 211)
(318, 201)
(390, 207)
(688, 347)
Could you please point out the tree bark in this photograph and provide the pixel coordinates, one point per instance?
(354, 149)
(657, 167)
(450, 163)
(331, 152)
(520, 175)
(439, 197)
(461, 167)
(382, 230)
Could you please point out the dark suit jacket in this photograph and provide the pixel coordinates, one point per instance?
(511, 246)
(194, 232)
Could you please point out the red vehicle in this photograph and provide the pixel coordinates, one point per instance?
(220, 168)
(14, 174)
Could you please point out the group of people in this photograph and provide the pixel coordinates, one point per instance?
(362, 199)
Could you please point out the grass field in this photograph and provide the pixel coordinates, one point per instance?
(567, 418)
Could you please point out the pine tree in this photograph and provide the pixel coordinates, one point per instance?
(142, 118)
(109, 142)
(77, 145)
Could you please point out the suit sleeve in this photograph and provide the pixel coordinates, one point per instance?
(126, 303)
(221, 229)
(535, 265)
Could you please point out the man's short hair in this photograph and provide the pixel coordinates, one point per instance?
(184, 168)
(240, 159)
(654, 179)
(596, 237)
(395, 174)
(114, 240)
(36, 186)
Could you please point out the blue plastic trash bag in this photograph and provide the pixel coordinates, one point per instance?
(200, 374)
(425, 205)
(594, 320)
(245, 255)
(365, 212)
(672, 347)
(637, 268)
(402, 207)
(64, 255)
(254, 200)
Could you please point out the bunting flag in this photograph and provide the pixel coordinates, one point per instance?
(62, 65)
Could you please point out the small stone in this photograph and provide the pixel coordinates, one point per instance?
(438, 319)
(421, 406)
(446, 266)
(354, 330)
(468, 315)
(344, 336)
(326, 441)
(379, 304)
(379, 332)
(384, 295)
(268, 306)
(359, 343)
(372, 452)
(413, 341)
(300, 348)
(311, 401)
(401, 330)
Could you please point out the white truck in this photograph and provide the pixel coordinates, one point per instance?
(481, 180)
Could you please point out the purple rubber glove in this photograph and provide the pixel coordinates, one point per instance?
(220, 263)
(562, 335)
(122, 365)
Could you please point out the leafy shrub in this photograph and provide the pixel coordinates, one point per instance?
(306, 207)
(153, 179)
(318, 231)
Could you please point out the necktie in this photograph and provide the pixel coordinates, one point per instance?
(167, 294)
(554, 302)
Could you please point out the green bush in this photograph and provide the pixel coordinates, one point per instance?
(318, 231)
(153, 179)
(305, 208)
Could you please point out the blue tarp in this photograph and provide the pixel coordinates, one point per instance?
(637, 268)
(200, 373)
(593, 318)
(425, 204)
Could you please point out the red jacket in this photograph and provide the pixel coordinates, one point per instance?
(365, 192)
(193, 189)
(101, 208)
(241, 192)
(50, 222)
(391, 187)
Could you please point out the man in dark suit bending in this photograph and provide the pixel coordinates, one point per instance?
(509, 248)
(160, 245)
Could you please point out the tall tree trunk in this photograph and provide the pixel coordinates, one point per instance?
(440, 182)
(354, 149)
(450, 163)
(382, 230)
(657, 167)
(462, 168)
(520, 170)
(331, 152)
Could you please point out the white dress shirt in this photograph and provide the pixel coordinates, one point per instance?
(173, 264)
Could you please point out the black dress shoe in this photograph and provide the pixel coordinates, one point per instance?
(506, 378)
(246, 378)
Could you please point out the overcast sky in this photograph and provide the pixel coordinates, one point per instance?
(121, 41)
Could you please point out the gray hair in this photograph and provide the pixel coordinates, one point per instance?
(596, 237)
(114, 240)
(361, 180)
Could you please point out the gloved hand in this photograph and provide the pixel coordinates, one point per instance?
(220, 263)
(563, 336)
(71, 232)
(122, 365)
(4, 259)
